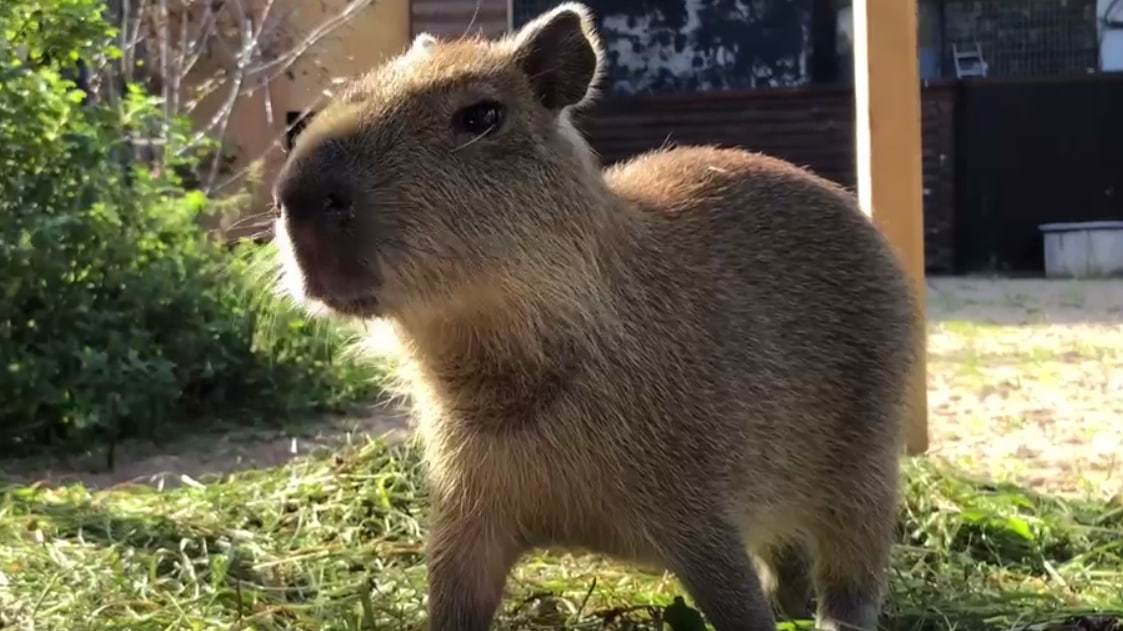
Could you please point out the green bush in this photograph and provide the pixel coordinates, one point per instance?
(118, 316)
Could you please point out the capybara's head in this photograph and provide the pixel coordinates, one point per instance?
(443, 172)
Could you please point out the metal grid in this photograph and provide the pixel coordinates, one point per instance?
(1023, 37)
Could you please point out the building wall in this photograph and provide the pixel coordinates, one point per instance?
(662, 46)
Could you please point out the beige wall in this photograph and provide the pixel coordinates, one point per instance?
(377, 32)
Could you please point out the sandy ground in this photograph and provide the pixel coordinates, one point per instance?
(1025, 383)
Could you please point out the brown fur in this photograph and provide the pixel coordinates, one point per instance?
(693, 359)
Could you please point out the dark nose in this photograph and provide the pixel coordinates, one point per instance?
(315, 198)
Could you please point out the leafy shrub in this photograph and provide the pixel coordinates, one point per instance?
(117, 315)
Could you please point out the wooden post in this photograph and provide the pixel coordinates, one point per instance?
(890, 179)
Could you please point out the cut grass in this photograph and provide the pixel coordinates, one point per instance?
(335, 542)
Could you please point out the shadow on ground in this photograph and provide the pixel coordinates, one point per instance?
(1013, 302)
(215, 452)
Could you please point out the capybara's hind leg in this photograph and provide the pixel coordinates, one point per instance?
(791, 585)
(711, 562)
(851, 562)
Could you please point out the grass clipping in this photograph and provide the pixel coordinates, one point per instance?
(334, 543)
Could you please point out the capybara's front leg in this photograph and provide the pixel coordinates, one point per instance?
(468, 564)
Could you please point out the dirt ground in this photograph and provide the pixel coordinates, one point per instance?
(1025, 383)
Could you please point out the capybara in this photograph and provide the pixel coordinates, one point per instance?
(697, 359)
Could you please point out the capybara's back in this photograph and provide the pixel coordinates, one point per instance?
(698, 359)
(794, 306)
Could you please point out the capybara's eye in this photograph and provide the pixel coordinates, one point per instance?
(479, 119)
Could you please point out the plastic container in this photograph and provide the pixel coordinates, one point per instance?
(1089, 249)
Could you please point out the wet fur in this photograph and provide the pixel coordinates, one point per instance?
(697, 359)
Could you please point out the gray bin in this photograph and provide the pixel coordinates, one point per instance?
(1089, 249)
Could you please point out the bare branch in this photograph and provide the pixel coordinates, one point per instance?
(194, 51)
(235, 90)
(323, 30)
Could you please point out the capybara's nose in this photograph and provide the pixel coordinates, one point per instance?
(308, 193)
(316, 201)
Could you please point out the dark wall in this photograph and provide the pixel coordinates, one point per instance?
(660, 46)
(810, 126)
(1033, 152)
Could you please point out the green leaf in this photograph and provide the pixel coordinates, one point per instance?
(1020, 527)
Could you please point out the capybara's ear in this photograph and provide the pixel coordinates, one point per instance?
(561, 55)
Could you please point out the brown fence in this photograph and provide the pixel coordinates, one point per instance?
(812, 127)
